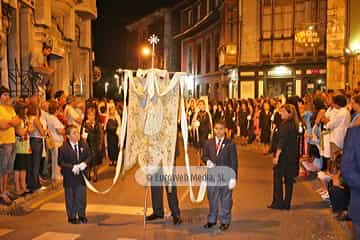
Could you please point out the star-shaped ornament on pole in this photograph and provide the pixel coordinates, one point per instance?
(153, 40)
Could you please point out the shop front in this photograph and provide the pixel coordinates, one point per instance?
(281, 80)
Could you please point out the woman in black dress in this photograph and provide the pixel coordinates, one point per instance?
(218, 115)
(243, 121)
(190, 112)
(93, 133)
(286, 160)
(204, 129)
(112, 137)
(229, 120)
(265, 126)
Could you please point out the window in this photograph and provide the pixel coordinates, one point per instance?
(199, 12)
(199, 60)
(189, 18)
(189, 59)
(208, 52)
(216, 48)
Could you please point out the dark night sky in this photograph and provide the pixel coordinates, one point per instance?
(110, 35)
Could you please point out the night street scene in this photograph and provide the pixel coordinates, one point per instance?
(179, 119)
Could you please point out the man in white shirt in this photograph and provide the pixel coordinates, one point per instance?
(337, 123)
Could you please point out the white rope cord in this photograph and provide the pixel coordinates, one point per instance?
(127, 78)
(184, 131)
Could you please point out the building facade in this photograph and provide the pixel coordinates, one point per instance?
(192, 34)
(275, 57)
(247, 48)
(66, 24)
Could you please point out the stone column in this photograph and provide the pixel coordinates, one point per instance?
(14, 51)
(336, 43)
(26, 43)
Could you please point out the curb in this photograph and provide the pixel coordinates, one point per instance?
(25, 205)
(343, 230)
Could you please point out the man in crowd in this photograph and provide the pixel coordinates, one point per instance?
(8, 124)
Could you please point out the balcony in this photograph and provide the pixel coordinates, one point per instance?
(228, 55)
(86, 9)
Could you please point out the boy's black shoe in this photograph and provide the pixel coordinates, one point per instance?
(74, 221)
(224, 227)
(83, 220)
(209, 225)
(177, 220)
(153, 217)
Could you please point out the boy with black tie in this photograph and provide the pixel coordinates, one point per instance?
(73, 159)
(220, 157)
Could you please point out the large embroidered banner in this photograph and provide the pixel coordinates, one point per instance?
(152, 127)
(149, 125)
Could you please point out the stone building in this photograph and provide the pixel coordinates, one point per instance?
(192, 34)
(276, 56)
(247, 48)
(66, 24)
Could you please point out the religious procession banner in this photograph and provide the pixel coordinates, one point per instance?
(153, 108)
(149, 124)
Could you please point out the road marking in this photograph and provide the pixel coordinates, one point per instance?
(99, 208)
(57, 236)
(4, 231)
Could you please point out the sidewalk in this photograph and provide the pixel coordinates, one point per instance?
(344, 228)
(24, 205)
(19, 205)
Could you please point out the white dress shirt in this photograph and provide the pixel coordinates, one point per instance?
(338, 125)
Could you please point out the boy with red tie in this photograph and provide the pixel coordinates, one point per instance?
(73, 160)
(220, 157)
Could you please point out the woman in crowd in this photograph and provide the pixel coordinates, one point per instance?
(250, 121)
(243, 119)
(92, 133)
(286, 159)
(112, 129)
(57, 133)
(275, 124)
(204, 120)
(229, 120)
(265, 126)
(219, 113)
(23, 151)
(190, 112)
(37, 135)
(71, 115)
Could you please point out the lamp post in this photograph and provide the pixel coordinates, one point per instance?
(153, 40)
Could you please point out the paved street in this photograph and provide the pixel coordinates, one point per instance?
(118, 215)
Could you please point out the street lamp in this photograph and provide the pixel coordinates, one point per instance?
(146, 51)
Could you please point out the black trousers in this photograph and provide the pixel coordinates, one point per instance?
(339, 197)
(33, 170)
(283, 175)
(75, 201)
(157, 196)
(274, 142)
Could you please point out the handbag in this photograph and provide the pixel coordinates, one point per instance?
(50, 144)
